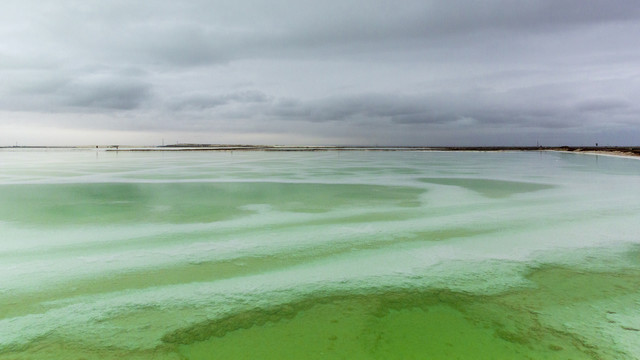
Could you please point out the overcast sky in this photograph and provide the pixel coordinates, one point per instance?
(409, 72)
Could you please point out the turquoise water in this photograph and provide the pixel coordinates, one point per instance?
(363, 255)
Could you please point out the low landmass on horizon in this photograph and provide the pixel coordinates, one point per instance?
(611, 150)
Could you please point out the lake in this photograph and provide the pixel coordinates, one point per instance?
(318, 255)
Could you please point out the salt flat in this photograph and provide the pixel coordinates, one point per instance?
(253, 254)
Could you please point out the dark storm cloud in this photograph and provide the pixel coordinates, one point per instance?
(457, 110)
(43, 91)
(118, 95)
(602, 105)
(470, 107)
(547, 107)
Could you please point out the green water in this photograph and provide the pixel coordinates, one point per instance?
(403, 255)
(116, 203)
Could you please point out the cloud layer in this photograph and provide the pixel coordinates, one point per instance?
(494, 72)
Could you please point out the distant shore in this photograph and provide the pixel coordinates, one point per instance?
(596, 150)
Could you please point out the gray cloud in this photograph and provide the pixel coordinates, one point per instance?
(201, 101)
(602, 104)
(205, 32)
(362, 106)
(110, 94)
(420, 70)
(44, 91)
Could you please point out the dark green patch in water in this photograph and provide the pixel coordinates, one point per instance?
(523, 323)
(490, 188)
(392, 325)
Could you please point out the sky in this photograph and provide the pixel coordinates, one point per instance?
(331, 72)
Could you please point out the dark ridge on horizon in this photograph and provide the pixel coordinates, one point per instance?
(619, 150)
(614, 150)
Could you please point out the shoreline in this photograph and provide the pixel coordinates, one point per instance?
(620, 151)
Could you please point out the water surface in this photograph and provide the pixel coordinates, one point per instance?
(361, 255)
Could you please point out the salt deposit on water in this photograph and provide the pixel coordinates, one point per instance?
(370, 255)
